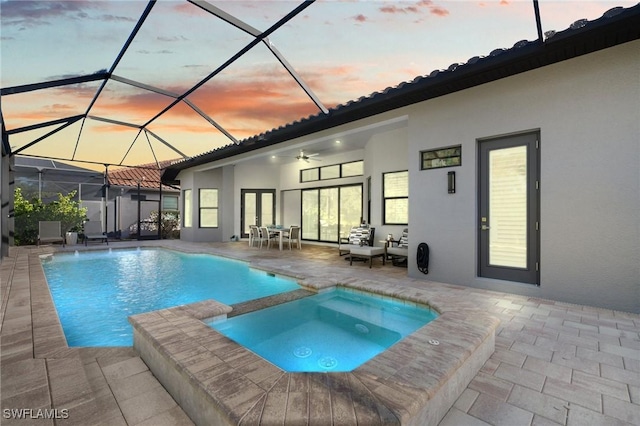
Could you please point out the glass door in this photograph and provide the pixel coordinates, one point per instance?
(326, 212)
(508, 209)
(258, 207)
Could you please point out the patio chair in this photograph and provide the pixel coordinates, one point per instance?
(254, 235)
(50, 231)
(93, 231)
(399, 253)
(266, 236)
(294, 237)
(358, 235)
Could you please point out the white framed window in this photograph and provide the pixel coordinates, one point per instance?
(187, 206)
(169, 202)
(395, 196)
(208, 198)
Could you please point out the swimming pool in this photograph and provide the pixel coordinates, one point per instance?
(334, 331)
(94, 292)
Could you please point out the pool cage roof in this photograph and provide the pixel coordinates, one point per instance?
(176, 79)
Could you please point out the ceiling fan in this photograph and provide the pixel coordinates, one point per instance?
(306, 157)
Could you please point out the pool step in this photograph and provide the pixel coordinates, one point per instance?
(359, 326)
(374, 314)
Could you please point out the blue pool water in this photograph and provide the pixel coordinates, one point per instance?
(95, 292)
(333, 331)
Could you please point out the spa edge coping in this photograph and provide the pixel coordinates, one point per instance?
(392, 388)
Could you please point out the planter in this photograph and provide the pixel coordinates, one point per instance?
(72, 238)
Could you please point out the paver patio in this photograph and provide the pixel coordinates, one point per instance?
(554, 363)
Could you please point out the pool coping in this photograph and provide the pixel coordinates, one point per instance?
(213, 378)
(412, 383)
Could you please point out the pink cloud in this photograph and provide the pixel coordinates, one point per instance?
(416, 8)
(360, 18)
(392, 9)
(439, 11)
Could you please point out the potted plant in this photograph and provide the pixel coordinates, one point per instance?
(70, 215)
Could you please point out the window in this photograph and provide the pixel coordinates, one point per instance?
(188, 208)
(330, 172)
(326, 212)
(309, 175)
(355, 168)
(395, 194)
(443, 157)
(169, 202)
(335, 171)
(208, 208)
(141, 197)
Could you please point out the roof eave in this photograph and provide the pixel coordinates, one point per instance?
(616, 27)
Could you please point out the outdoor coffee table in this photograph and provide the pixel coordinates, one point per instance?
(366, 252)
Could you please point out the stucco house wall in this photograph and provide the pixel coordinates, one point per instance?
(588, 114)
(212, 179)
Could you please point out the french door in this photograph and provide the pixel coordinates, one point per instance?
(508, 219)
(258, 207)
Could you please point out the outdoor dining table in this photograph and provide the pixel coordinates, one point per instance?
(282, 232)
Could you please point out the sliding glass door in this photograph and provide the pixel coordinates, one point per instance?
(327, 212)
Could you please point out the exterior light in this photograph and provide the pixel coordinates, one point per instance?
(451, 182)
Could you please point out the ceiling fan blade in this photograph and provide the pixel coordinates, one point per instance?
(312, 155)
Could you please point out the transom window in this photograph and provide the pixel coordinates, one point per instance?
(334, 171)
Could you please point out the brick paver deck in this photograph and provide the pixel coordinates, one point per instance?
(554, 363)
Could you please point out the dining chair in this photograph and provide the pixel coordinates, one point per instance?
(254, 235)
(294, 236)
(265, 236)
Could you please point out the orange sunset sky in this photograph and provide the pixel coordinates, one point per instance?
(341, 49)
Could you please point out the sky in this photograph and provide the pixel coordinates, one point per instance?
(342, 50)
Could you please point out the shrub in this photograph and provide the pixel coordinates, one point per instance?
(28, 213)
(169, 223)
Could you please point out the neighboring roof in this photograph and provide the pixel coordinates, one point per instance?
(46, 164)
(616, 26)
(147, 174)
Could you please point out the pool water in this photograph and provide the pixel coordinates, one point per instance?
(95, 292)
(334, 331)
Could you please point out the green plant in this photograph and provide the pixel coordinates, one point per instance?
(67, 211)
(28, 213)
(169, 223)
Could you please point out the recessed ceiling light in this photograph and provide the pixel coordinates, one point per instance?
(338, 142)
(273, 156)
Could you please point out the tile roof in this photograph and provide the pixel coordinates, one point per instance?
(616, 26)
(147, 174)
